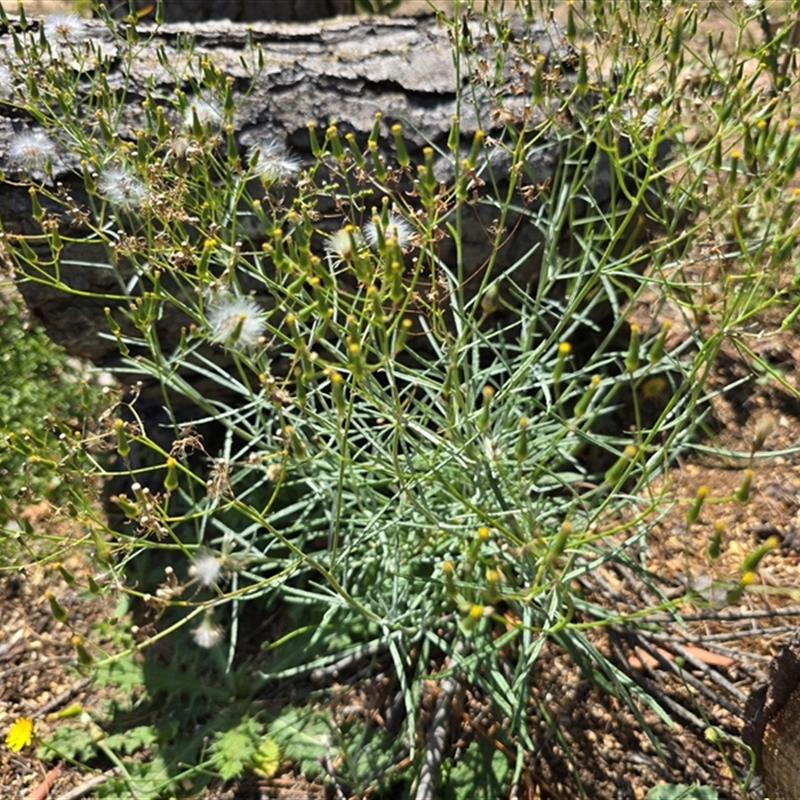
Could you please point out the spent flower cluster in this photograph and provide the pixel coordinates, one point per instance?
(122, 188)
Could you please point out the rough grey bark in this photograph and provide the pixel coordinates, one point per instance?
(248, 10)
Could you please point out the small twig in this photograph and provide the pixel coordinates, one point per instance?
(730, 636)
(437, 735)
(61, 699)
(87, 786)
(39, 665)
(727, 616)
(712, 674)
(43, 789)
(740, 656)
(333, 671)
(653, 691)
(670, 666)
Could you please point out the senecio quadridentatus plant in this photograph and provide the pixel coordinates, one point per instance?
(386, 383)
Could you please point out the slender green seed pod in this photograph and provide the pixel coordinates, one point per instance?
(582, 79)
(572, 30)
(483, 416)
(783, 142)
(676, 40)
(790, 318)
(791, 164)
(454, 137)
(521, 449)
(131, 510)
(68, 577)
(474, 152)
(400, 146)
(337, 390)
(749, 147)
(766, 135)
(376, 129)
(735, 594)
(742, 494)
(733, 169)
(558, 544)
(491, 594)
(60, 614)
(428, 178)
(564, 350)
(474, 615)
(356, 360)
(615, 473)
(764, 428)
(632, 359)
(716, 158)
(85, 660)
(397, 290)
(751, 561)
(102, 551)
(352, 145)
(313, 142)
(171, 479)
(94, 587)
(715, 545)
(36, 207)
(586, 398)
(403, 329)
(448, 568)
(378, 164)
(537, 84)
(694, 512)
(123, 445)
(656, 352)
(332, 137)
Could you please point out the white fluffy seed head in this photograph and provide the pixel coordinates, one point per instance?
(339, 246)
(397, 228)
(32, 151)
(207, 635)
(64, 27)
(272, 161)
(235, 321)
(122, 188)
(206, 569)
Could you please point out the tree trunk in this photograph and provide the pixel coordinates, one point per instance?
(772, 724)
(248, 10)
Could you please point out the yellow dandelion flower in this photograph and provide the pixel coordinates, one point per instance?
(20, 734)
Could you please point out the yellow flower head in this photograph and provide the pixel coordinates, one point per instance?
(20, 734)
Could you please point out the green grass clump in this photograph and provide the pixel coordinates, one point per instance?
(40, 385)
